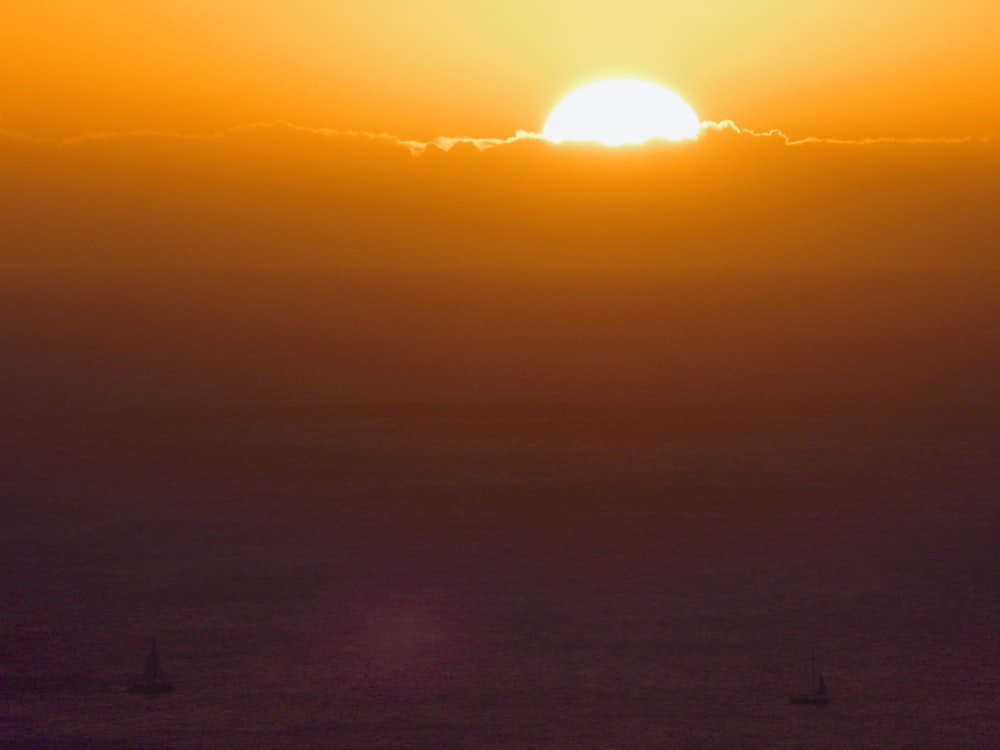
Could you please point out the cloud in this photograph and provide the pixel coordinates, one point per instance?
(728, 126)
(417, 147)
(279, 194)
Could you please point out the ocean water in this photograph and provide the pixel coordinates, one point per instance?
(469, 572)
(499, 582)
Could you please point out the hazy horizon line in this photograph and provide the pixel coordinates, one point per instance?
(417, 147)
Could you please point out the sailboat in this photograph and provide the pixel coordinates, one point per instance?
(153, 680)
(819, 696)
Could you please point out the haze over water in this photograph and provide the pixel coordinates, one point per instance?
(398, 425)
(500, 513)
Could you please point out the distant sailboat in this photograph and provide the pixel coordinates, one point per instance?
(153, 680)
(819, 696)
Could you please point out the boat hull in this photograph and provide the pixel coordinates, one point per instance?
(809, 700)
(151, 688)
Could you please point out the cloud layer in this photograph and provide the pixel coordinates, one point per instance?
(739, 274)
(279, 195)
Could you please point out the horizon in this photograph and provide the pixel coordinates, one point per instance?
(398, 424)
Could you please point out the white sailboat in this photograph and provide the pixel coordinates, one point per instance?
(153, 680)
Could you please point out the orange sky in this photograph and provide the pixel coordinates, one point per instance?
(213, 134)
(239, 269)
(208, 141)
(830, 68)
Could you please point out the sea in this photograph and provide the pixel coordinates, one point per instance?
(462, 519)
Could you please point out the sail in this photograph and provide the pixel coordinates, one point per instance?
(153, 680)
(818, 695)
(153, 671)
(821, 685)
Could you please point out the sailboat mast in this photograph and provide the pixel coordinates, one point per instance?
(152, 662)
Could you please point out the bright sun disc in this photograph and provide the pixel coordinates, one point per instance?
(621, 111)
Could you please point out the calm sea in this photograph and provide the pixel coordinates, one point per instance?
(494, 581)
(469, 573)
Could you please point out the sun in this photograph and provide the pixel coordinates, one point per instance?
(621, 111)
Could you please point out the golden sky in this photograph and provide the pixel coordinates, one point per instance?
(283, 234)
(422, 69)
(839, 237)
(224, 134)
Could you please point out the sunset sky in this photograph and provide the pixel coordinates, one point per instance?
(424, 69)
(225, 134)
(314, 337)
(838, 206)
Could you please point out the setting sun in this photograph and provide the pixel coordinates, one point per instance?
(521, 374)
(619, 112)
